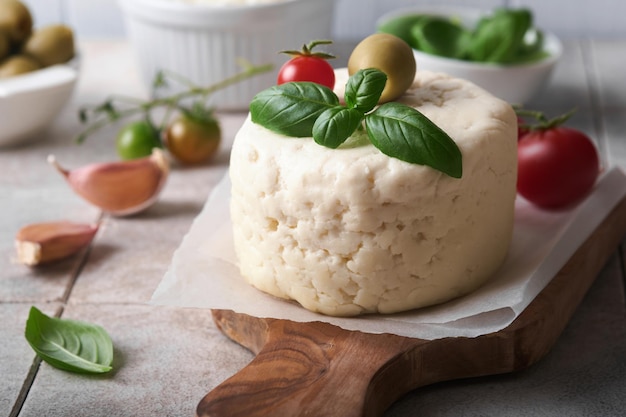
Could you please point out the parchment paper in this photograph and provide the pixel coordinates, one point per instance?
(203, 272)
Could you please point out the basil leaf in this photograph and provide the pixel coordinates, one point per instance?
(292, 108)
(442, 37)
(404, 133)
(497, 38)
(364, 89)
(531, 49)
(401, 27)
(336, 125)
(68, 344)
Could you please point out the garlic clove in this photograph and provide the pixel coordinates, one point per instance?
(120, 188)
(40, 243)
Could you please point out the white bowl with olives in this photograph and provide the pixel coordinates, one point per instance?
(38, 72)
(500, 50)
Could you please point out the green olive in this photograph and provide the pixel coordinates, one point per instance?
(50, 45)
(5, 45)
(15, 20)
(389, 54)
(16, 65)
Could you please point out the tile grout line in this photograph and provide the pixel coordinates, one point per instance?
(70, 286)
(28, 383)
(34, 368)
(595, 100)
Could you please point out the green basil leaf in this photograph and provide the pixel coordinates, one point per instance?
(401, 27)
(531, 49)
(404, 133)
(497, 38)
(532, 42)
(364, 89)
(68, 344)
(441, 36)
(292, 108)
(335, 125)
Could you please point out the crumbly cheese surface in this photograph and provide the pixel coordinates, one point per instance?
(350, 231)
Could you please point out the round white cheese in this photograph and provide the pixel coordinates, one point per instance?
(350, 231)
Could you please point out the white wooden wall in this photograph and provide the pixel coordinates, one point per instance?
(356, 18)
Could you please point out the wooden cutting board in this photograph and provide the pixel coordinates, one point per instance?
(318, 369)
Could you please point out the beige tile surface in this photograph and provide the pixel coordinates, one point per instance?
(164, 363)
(16, 356)
(167, 359)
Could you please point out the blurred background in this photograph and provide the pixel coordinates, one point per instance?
(355, 19)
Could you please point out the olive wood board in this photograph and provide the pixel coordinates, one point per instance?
(318, 369)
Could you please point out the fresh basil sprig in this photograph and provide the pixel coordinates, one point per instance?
(304, 109)
(335, 125)
(292, 108)
(364, 89)
(70, 345)
(404, 133)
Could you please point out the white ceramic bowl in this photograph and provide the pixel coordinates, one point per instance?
(204, 42)
(30, 102)
(516, 84)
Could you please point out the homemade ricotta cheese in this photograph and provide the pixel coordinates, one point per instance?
(350, 231)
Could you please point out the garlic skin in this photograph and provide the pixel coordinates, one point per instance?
(40, 243)
(119, 188)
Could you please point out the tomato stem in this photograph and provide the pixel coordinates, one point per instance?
(541, 121)
(103, 114)
(307, 50)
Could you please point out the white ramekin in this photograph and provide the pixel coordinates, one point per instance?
(205, 43)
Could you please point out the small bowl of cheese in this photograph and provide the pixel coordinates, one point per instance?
(206, 40)
(500, 50)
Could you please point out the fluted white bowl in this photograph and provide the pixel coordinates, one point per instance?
(204, 42)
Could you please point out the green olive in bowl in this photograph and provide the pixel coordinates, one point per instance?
(5, 45)
(389, 54)
(16, 65)
(50, 45)
(15, 20)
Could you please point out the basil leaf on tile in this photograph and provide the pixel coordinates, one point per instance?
(364, 88)
(292, 108)
(335, 125)
(69, 345)
(404, 133)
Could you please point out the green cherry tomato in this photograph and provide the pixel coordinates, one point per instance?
(136, 140)
(192, 140)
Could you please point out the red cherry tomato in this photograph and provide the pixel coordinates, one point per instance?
(307, 65)
(307, 68)
(557, 167)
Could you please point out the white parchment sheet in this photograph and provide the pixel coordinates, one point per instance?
(203, 272)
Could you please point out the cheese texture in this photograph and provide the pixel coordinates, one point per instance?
(350, 231)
